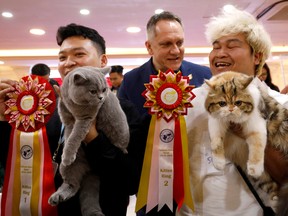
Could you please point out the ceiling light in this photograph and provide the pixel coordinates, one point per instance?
(276, 57)
(158, 11)
(7, 14)
(133, 29)
(1, 62)
(37, 31)
(84, 12)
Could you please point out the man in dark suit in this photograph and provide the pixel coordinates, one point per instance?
(165, 45)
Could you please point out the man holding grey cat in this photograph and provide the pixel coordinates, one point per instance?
(240, 44)
(118, 172)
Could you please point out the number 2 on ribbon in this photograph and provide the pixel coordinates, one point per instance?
(166, 183)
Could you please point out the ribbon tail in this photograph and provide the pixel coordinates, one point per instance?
(145, 174)
(166, 170)
(48, 186)
(187, 191)
(153, 191)
(12, 167)
(178, 165)
(26, 191)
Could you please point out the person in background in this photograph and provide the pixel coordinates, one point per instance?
(239, 43)
(118, 172)
(165, 45)
(265, 76)
(116, 77)
(43, 70)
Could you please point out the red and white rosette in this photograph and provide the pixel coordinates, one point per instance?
(29, 177)
(165, 171)
(31, 105)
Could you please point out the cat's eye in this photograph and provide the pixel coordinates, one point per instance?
(238, 103)
(222, 103)
(104, 90)
(93, 92)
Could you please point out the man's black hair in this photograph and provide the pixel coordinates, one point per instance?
(116, 69)
(40, 69)
(73, 29)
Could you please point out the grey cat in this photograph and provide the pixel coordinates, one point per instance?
(85, 96)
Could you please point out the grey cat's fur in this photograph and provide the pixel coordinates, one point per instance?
(85, 96)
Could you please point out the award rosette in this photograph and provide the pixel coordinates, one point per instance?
(165, 171)
(29, 177)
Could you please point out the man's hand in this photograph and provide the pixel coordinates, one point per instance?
(92, 134)
(276, 164)
(57, 90)
(5, 87)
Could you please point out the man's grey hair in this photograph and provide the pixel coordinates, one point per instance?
(236, 21)
(165, 15)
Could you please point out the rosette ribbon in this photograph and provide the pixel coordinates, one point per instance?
(165, 171)
(29, 176)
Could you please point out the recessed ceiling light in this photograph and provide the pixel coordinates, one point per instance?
(7, 14)
(158, 11)
(133, 29)
(84, 12)
(276, 57)
(37, 31)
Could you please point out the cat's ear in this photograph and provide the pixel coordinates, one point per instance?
(209, 83)
(105, 70)
(243, 81)
(79, 79)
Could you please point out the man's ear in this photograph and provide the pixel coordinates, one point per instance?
(148, 47)
(257, 58)
(104, 60)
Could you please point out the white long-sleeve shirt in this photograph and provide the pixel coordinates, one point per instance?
(216, 192)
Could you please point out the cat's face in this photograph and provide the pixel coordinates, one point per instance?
(228, 96)
(87, 85)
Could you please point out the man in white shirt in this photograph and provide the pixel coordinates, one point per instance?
(240, 44)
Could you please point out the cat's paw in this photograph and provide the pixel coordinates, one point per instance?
(68, 159)
(63, 193)
(255, 170)
(219, 163)
(275, 198)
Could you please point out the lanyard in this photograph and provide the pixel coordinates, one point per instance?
(60, 142)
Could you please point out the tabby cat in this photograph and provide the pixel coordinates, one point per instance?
(86, 99)
(232, 98)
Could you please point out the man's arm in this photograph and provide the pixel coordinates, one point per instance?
(276, 164)
(108, 161)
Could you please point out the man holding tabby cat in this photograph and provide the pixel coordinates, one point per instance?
(240, 44)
